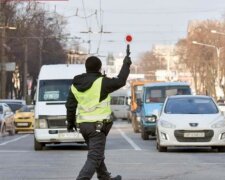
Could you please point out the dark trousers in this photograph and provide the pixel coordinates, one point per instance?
(96, 154)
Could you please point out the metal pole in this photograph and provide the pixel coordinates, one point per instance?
(3, 66)
(218, 65)
(25, 70)
(40, 51)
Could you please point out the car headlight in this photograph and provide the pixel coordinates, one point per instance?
(150, 119)
(219, 124)
(41, 123)
(138, 118)
(166, 124)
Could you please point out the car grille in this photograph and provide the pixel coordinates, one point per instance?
(179, 134)
(56, 123)
(22, 118)
(24, 124)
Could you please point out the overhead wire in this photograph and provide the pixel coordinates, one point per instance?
(89, 36)
(162, 11)
(101, 25)
(135, 12)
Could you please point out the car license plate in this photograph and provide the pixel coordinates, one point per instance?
(70, 135)
(194, 134)
(22, 124)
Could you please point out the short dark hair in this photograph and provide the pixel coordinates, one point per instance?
(93, 64)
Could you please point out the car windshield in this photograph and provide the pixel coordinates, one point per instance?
(159, 94)
(118, 100)
(24, 109)
(1, 110)
(191, 105)
(15, 106)
(54, 90)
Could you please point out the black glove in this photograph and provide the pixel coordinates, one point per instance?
(127, 60)
(71, 127)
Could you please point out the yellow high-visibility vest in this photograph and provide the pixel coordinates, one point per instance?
(89, 108)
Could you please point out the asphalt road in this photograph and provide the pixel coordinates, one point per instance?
(126, 154)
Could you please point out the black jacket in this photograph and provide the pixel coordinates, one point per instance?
(84, 81)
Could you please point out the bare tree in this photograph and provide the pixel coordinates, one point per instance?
(149, 63)
(202, 58)
(38, 30)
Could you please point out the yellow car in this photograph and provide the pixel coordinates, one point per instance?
(24, 119)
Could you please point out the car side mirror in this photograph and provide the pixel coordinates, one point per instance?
(139, 102)
(128, 102)
(7, 113)
(223, 113)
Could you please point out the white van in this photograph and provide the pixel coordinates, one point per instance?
(120, 104)
(53, 86)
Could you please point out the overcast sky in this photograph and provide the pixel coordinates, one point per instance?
(150, 22)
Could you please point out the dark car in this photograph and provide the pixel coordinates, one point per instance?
(6, 120)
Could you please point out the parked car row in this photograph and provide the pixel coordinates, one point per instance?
(15, 116)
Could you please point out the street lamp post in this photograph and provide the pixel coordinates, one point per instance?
(217, 32)
(218, 51)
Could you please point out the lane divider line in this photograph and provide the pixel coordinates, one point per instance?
(129, 140)
(13, 140)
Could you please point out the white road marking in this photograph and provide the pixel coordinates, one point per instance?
(13, 140)
(11, 151)
(135, 146)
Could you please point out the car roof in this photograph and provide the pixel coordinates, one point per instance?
(3, 104)
(189, 96)
(157, 84)
(120, 92)
(18, 101)
(60, 71)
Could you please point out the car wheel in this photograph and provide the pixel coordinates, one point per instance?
(221, 149)
(37, 145)
(12, 131)
(144, 135)
(135, 124)
(3, 130)
(214, 148)
(161, 148)
(158, 147)
(113, 117)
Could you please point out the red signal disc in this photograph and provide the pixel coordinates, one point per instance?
(128, 38)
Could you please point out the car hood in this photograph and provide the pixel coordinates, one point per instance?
(50, 109)
(184, 120)
(24, 114)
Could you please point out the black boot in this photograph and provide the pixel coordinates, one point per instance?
(118, 177)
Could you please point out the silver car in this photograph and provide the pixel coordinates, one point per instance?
(189, 120)
(6, 120)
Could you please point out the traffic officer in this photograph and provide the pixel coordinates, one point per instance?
(88, 106)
